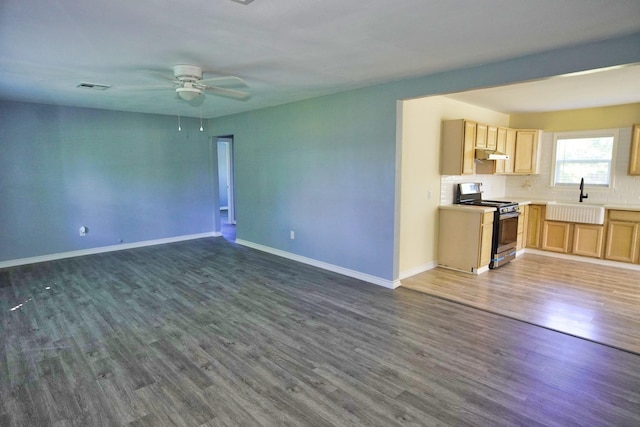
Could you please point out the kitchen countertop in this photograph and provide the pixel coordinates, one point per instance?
(470, 208)
(544, 202)
(523, 202)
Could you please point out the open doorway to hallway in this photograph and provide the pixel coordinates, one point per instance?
(226, 188)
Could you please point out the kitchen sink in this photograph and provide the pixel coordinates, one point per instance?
(585, 213)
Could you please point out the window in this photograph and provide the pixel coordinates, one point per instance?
(587, 155)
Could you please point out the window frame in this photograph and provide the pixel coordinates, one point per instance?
(596, 133)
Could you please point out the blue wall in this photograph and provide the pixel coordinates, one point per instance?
(324, 168)
(129, 177)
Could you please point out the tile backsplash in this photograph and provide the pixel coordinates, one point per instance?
(625, 191)
(493, 186)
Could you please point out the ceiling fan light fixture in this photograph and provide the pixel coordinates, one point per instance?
(188, 93)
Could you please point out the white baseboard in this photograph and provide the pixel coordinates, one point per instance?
(390, 284)
(417, 270)
(103, 249)
(589, 260)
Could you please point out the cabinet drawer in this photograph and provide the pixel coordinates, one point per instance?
(631, 216)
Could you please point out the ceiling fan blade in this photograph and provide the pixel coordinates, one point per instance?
(223, 81)
(229, 93)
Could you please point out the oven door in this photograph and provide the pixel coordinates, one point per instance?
(507, 231)
(505, 239)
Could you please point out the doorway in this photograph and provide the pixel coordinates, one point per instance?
(226, 192)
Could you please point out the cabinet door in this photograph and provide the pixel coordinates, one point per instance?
(555, 236)
(458, 147)
(501, 147)
(523, 221)
(587, 240)
(468, 150)
(622, 241)
(526, 154)
(463, 237)
(634, 155)
(481, 136)
(486, 239)
(492, 137)
(510, 150)
(534, 226)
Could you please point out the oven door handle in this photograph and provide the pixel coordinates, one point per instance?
(509, 215)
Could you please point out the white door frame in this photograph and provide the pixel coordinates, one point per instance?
(227, 143)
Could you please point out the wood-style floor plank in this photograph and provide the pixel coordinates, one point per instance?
(207, 333)
(595, 302)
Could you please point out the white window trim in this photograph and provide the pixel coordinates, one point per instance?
(585, 134)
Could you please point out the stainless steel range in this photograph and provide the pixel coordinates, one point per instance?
(505, 221)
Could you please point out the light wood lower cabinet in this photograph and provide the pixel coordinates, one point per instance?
(534, 226)
(486, 239)
(617, 240)
(523, 220)
(555, 236)
(587, 240)
(623, 236)
(573, 238)
(622, 241)
(465, 239)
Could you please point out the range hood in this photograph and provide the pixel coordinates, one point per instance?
(490, 155)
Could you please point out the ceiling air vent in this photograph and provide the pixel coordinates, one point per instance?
(93, 86)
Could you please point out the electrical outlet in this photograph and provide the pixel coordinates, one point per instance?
(83, 231)
(292, 235)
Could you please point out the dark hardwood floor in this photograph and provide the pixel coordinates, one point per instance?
(208, 333)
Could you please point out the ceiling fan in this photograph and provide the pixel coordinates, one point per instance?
(191, 87)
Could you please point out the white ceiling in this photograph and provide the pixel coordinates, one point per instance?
(287, 50)
(597, 88)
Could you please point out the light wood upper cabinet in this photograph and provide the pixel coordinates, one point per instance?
(461, 138)
(458, 147)
(526, 152)
(481, 135)
(510, 150)
(492, 137)
(634, 154)
(501, 147)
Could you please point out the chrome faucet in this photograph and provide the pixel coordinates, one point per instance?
(582, 195)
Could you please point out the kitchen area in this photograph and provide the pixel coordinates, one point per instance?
(564, 257)
(577, 226)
